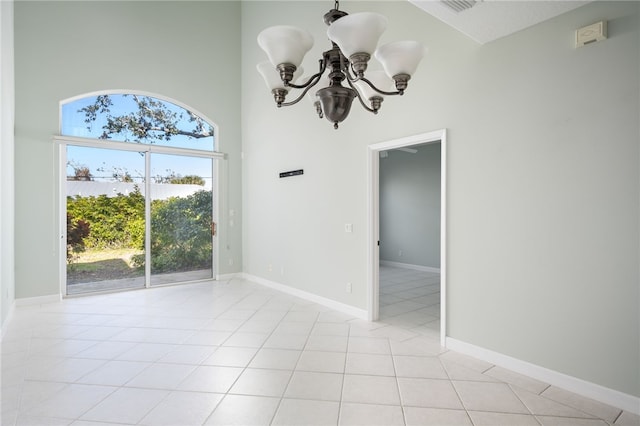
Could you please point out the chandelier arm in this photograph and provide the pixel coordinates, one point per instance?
(370, 84)
(307, 87)
(365, 106)
(323, 67)
(355, 77)
(350, 70)
(309, 82)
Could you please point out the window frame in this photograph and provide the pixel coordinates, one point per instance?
(63, 141)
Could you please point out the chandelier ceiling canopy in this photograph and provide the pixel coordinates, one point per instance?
(354, 39)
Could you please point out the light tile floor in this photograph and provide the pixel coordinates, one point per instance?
(410, 299)
(240, 354)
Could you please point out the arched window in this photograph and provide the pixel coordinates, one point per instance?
(137, 118)
(139, 190)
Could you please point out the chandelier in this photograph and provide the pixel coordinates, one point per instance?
(354, 39)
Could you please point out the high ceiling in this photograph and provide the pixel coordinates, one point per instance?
(488, 20)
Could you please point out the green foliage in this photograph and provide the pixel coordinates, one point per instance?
(77, 231)
(153, 121)
(180, 235)
(187, 180)
(115, 221)
(101, 106)
(176, 179)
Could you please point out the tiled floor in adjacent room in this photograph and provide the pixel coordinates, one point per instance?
(410, 299)
(239, 353)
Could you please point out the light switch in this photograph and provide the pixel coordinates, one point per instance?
(348, 228)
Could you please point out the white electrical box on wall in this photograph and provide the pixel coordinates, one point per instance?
(591, 33)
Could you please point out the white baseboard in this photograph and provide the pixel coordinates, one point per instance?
(578, 386)
(227, 277)
(41, 300)
(329, 303)
(409, 266)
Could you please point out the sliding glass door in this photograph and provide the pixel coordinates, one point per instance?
(105, 205)
(182, 224)
(118, 237)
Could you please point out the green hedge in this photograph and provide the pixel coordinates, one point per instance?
(115, 222)
(180, 234)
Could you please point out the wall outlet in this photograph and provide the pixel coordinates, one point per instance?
(399, 253)
(282, 270)
(230, 262)
(348, 288)
(269, 268)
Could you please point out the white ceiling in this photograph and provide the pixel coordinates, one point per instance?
(489, 20)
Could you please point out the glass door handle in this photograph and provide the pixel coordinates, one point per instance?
(214, 229)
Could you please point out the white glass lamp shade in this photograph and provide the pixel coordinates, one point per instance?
(380, 80)
(400, 57)
(357, 33)
(285, 44)
(271, 75)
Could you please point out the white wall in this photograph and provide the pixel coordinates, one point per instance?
(7, 276)
(410, 206)
(180, 50)
(543, 181)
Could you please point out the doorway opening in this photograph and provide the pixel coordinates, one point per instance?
(409, 290)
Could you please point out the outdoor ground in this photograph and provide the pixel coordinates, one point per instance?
(100, 265)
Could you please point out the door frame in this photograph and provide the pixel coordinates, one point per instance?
(63, 141)
(373, 208)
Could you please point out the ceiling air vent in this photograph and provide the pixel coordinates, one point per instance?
(459, 5)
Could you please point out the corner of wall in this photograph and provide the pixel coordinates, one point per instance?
(7, 111)
(6, 320)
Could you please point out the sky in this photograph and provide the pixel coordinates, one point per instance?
(102, 163)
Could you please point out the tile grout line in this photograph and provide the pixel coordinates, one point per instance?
(344, 374)
(510, 386)
(226, 393)
(156, 362)
(275, 412)
(617, 417)
(245, 295)
(395, 373)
